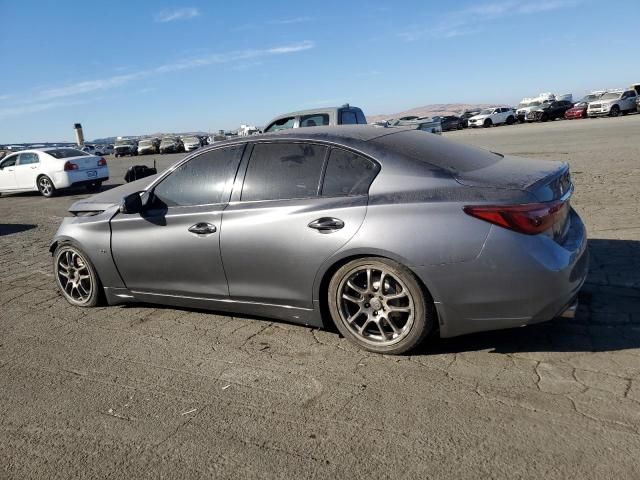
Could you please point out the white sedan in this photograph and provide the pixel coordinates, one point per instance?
(49, 169)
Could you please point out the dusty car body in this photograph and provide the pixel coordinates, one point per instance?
(388, 233)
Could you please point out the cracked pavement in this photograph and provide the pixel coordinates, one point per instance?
(144, 392)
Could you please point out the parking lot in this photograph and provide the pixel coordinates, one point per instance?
(142, 391)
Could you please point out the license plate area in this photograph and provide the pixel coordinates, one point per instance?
(92, 174)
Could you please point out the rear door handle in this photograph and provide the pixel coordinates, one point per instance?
(202, 228)
(326, 224)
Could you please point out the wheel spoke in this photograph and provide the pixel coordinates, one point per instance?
(381, 287)
(351, 299)
(383, 334)
(353, 317)
(395, 296)
(356, 288)
(399, 309)
(369, 286)
(393, 325)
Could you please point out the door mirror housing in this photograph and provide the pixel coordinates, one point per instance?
(132, 203)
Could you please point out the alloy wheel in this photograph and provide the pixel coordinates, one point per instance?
(46, 187)
(375, 305)
(73, 276)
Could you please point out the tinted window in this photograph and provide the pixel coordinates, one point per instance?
(281, 124)
(348, 174)
(202, 180)
(314, 120)
(9, 162)
(66, 153)
(361, 118)
(28, 158)
(348, 117)
(283, 170)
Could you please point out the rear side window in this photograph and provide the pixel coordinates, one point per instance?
(282, 124)
(361, 118)
(280, 171)
(28, 158)
(316, 120)
(348, 174)
(348, 117)
(203, 180)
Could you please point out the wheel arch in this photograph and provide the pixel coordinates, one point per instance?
(329, 268)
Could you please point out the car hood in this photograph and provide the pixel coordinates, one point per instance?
(479, 117)
(111, 197)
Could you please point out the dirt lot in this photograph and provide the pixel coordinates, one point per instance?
(137, 392)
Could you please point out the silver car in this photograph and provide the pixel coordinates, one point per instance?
(387, 233)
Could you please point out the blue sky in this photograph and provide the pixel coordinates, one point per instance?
(129, 68)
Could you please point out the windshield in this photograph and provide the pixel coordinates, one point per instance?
(191, 139)
(486, 112)
(590, 98)
(66, 153)
(166, 141)
(124, 141)
(611, 96)
(145, 143)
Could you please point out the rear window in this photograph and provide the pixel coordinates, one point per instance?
(66, 153)
(439, 152)
(348, 117)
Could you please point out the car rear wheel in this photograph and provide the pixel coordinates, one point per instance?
(75, 276)
(379, 305)
(45, 186)
(615, 111)
(487, 123)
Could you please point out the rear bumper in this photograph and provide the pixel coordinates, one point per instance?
(516, 280)
(80, 177)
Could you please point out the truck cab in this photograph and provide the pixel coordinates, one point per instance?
(344, 115)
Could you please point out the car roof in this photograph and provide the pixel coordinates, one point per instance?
(331, 133)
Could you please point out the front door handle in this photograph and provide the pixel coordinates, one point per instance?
(326, 224)
(202, 228)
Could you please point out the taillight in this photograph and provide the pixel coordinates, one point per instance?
(530, 219)
(102, 162)
(68, 166)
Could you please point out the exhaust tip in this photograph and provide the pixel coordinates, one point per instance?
(570, 311)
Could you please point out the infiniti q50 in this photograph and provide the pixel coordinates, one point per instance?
(389, 234)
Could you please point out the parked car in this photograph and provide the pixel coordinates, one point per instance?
(107, 149)
(191, 143)
(387, 233)
(579, 110)
(344, 115)
(148, 146)
(171, 145)
(548, 111)
(449, 122)
(493, 116)
(613, 103)
(125, 146)
(638, 103)
(50, 169)
(466, 115)
(425, 124)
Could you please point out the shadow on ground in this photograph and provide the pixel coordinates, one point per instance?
(11, 228)
(608, 317)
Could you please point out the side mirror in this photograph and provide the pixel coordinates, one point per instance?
(132, 203)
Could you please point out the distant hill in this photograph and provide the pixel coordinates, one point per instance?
(431, 110)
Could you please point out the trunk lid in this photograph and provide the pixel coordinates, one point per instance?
(546, 181)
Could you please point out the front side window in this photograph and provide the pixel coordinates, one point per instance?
(314, 120)
(348, 174)
(347, 117)
(203, 180)
(28, 158)
(279, 171)
(282, 124)
(8, 162)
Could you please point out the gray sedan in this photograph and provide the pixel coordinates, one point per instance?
(389, 234)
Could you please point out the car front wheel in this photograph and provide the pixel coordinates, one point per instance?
(615, 111)
(487, 123)
(75, 276)
(379, 305)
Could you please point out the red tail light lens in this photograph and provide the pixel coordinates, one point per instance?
(68, 166)
(530, 219)
(102, 162)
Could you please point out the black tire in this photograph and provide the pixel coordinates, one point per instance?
(45, 186)
(615, 111)
(510, 120)
(94, 187)
(95, 295)
(115, 155)
(487, 123)
(420, 320)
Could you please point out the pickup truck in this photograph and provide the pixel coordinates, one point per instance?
(344, 115)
